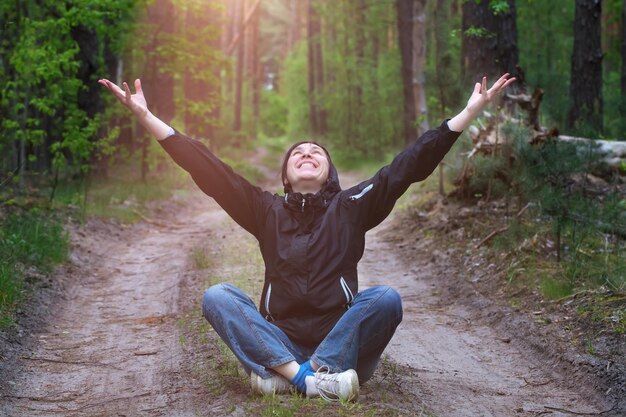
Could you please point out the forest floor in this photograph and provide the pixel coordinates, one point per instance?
(118, 330)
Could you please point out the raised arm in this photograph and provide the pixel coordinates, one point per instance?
(479, 99)
(137, 104)
(374, 199)
(244, 202)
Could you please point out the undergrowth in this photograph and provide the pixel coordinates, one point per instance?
(123, 196)
(31, 243)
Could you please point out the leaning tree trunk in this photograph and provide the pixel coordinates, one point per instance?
(586, 73)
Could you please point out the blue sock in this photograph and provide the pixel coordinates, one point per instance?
(307, 365)
(299, 380)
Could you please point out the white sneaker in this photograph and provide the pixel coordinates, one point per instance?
(342, 386)
(275, 384)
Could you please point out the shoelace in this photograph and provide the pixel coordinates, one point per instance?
(327, 384)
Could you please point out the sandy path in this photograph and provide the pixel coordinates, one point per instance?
(464, 368)
(112, 347)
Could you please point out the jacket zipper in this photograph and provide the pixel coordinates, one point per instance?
(362, 193)
(267, 303)
(346, 290)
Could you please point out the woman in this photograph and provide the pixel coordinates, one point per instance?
(314, 330)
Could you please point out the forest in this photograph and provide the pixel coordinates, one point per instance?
(364, 77)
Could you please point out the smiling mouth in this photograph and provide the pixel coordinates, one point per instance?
(311, 163)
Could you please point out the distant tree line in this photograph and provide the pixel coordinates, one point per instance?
(368, 76)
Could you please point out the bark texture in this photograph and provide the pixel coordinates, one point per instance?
(586, 73)
(489, 46)
(405, 43)
(315, 71)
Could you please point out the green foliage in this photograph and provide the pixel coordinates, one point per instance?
(28, 240)
(296, 92)
(587, 228)
(499, 6)
(41, 79)
(554, 289)
(273, 113)
(478, 32)
(359, 97)
(545, 45)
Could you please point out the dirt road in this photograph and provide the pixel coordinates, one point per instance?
(465, 367)
(112, 347)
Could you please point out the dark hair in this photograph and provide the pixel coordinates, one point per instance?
(283, 171)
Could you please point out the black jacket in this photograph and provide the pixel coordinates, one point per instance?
(310, 244)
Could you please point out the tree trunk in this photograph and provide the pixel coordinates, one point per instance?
(198, 90)
(508, 53)
(161, 14)
(586, 73)
(240, 58)
(479, 48)
(405, 42)
(624, 57)
(315, 71)
(294, 27)
(411, 47)
(419, 62)
(255, 69)
(359, 46)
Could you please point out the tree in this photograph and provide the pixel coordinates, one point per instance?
(586, 73)
(315, 71)
(489, 36)
(161, 17)
(238, 24)
(623, 77)
(412, 42)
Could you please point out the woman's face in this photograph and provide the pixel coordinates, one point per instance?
(307, 168)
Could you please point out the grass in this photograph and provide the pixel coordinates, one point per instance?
(31, 243)
(201, 258)
(122, 196)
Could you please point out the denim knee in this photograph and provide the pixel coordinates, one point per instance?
(390, 303)
(212, 298)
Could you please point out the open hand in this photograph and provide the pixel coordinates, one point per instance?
(135, 102)
(481, 96)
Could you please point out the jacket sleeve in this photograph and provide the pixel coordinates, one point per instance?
(374, 198)
(240, 199)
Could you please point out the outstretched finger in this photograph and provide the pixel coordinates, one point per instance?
(138, 88)
(483, 88)
(127, 90)
(113, 88)
(501, 82)
(509, 82)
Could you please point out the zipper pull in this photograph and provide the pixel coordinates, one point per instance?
(303, 201)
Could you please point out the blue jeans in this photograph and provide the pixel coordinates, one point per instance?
(356, 342)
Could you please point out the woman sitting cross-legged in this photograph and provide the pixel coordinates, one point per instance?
(314, 329)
